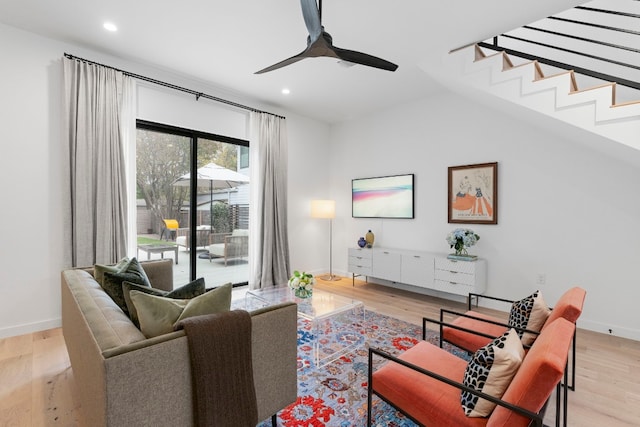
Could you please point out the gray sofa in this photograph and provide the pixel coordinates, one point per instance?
(124, 378)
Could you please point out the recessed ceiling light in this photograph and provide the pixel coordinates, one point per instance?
(286, 91)
(110, 26)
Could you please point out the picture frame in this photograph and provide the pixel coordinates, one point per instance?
(472, 196)
(383, 197)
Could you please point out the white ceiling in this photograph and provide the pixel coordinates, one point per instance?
(225, 42)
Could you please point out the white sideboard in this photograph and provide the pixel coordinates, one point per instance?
(422, 269)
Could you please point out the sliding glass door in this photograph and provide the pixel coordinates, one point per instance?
(193, 203)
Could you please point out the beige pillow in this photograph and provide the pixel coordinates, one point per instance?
(529, 313)
(158, 315)
(490, 371)
(188, 291)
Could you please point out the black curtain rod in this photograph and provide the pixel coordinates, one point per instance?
(197, 94)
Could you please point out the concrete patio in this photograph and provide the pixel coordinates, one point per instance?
(214, 271)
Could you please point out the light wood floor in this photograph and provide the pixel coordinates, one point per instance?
(608, 368)
(37, 388)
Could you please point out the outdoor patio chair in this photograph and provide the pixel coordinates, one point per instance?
(203, 237)
(234, 245)
(169, 228)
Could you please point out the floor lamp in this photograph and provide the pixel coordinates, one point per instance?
(326, 209)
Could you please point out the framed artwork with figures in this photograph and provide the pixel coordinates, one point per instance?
(473, 194)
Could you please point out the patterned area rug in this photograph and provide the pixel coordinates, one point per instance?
(336, 394)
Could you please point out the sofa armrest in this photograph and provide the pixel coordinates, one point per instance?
(150, 385)
(274, 347)
(160, 273)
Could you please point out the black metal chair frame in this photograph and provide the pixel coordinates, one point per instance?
(536, 418)
(477, 297)
(442, 323)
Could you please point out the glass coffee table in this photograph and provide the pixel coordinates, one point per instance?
(331, 323)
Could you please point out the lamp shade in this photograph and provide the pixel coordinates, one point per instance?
(323, 209)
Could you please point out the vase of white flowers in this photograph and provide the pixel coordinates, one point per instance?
(302, 284)
(460, 239)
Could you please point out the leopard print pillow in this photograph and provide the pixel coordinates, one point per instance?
(490, 371)
(529, 313)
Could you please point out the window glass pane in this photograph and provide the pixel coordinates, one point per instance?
(160, 159)
(223, 209)
(244, 157)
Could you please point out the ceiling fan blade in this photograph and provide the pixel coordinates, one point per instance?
(364, 59)
(320, 43)
(311, 15)
(284, 63)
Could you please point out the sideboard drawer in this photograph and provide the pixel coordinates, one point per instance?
(360, 253)
(359, 269)
(457, 266)
(359, 261)
(453, 287)
(360, 264)
(460, 277)
(455, 277)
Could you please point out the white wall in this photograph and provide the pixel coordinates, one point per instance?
(31, 174)
(309, 168)
(564, 210)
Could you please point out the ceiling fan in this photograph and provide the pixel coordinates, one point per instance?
(320, 43)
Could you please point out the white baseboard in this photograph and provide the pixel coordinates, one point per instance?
(28, 328)
(590, 325)
(613, 330)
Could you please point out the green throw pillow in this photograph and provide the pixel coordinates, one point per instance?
(112, 283)
(100, 269)
(158, 315)
(188, 291)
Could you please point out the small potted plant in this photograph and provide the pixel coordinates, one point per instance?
(302, 284)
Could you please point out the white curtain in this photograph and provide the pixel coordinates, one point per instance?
(95, 130)
(269, 240)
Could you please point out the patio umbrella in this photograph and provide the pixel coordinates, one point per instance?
(215, 177)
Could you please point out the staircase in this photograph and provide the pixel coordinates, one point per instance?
(556, 95)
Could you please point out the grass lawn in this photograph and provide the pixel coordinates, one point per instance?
(149, 241)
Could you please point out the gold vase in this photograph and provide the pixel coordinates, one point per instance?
(369, 238)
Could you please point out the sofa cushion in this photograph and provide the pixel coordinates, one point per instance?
(490, 371)
(188, 291)
(158, 315)
(112, 283)
(529, 313)
(100, 269)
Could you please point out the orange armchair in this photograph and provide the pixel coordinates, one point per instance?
(472, 330)
(425, 383)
